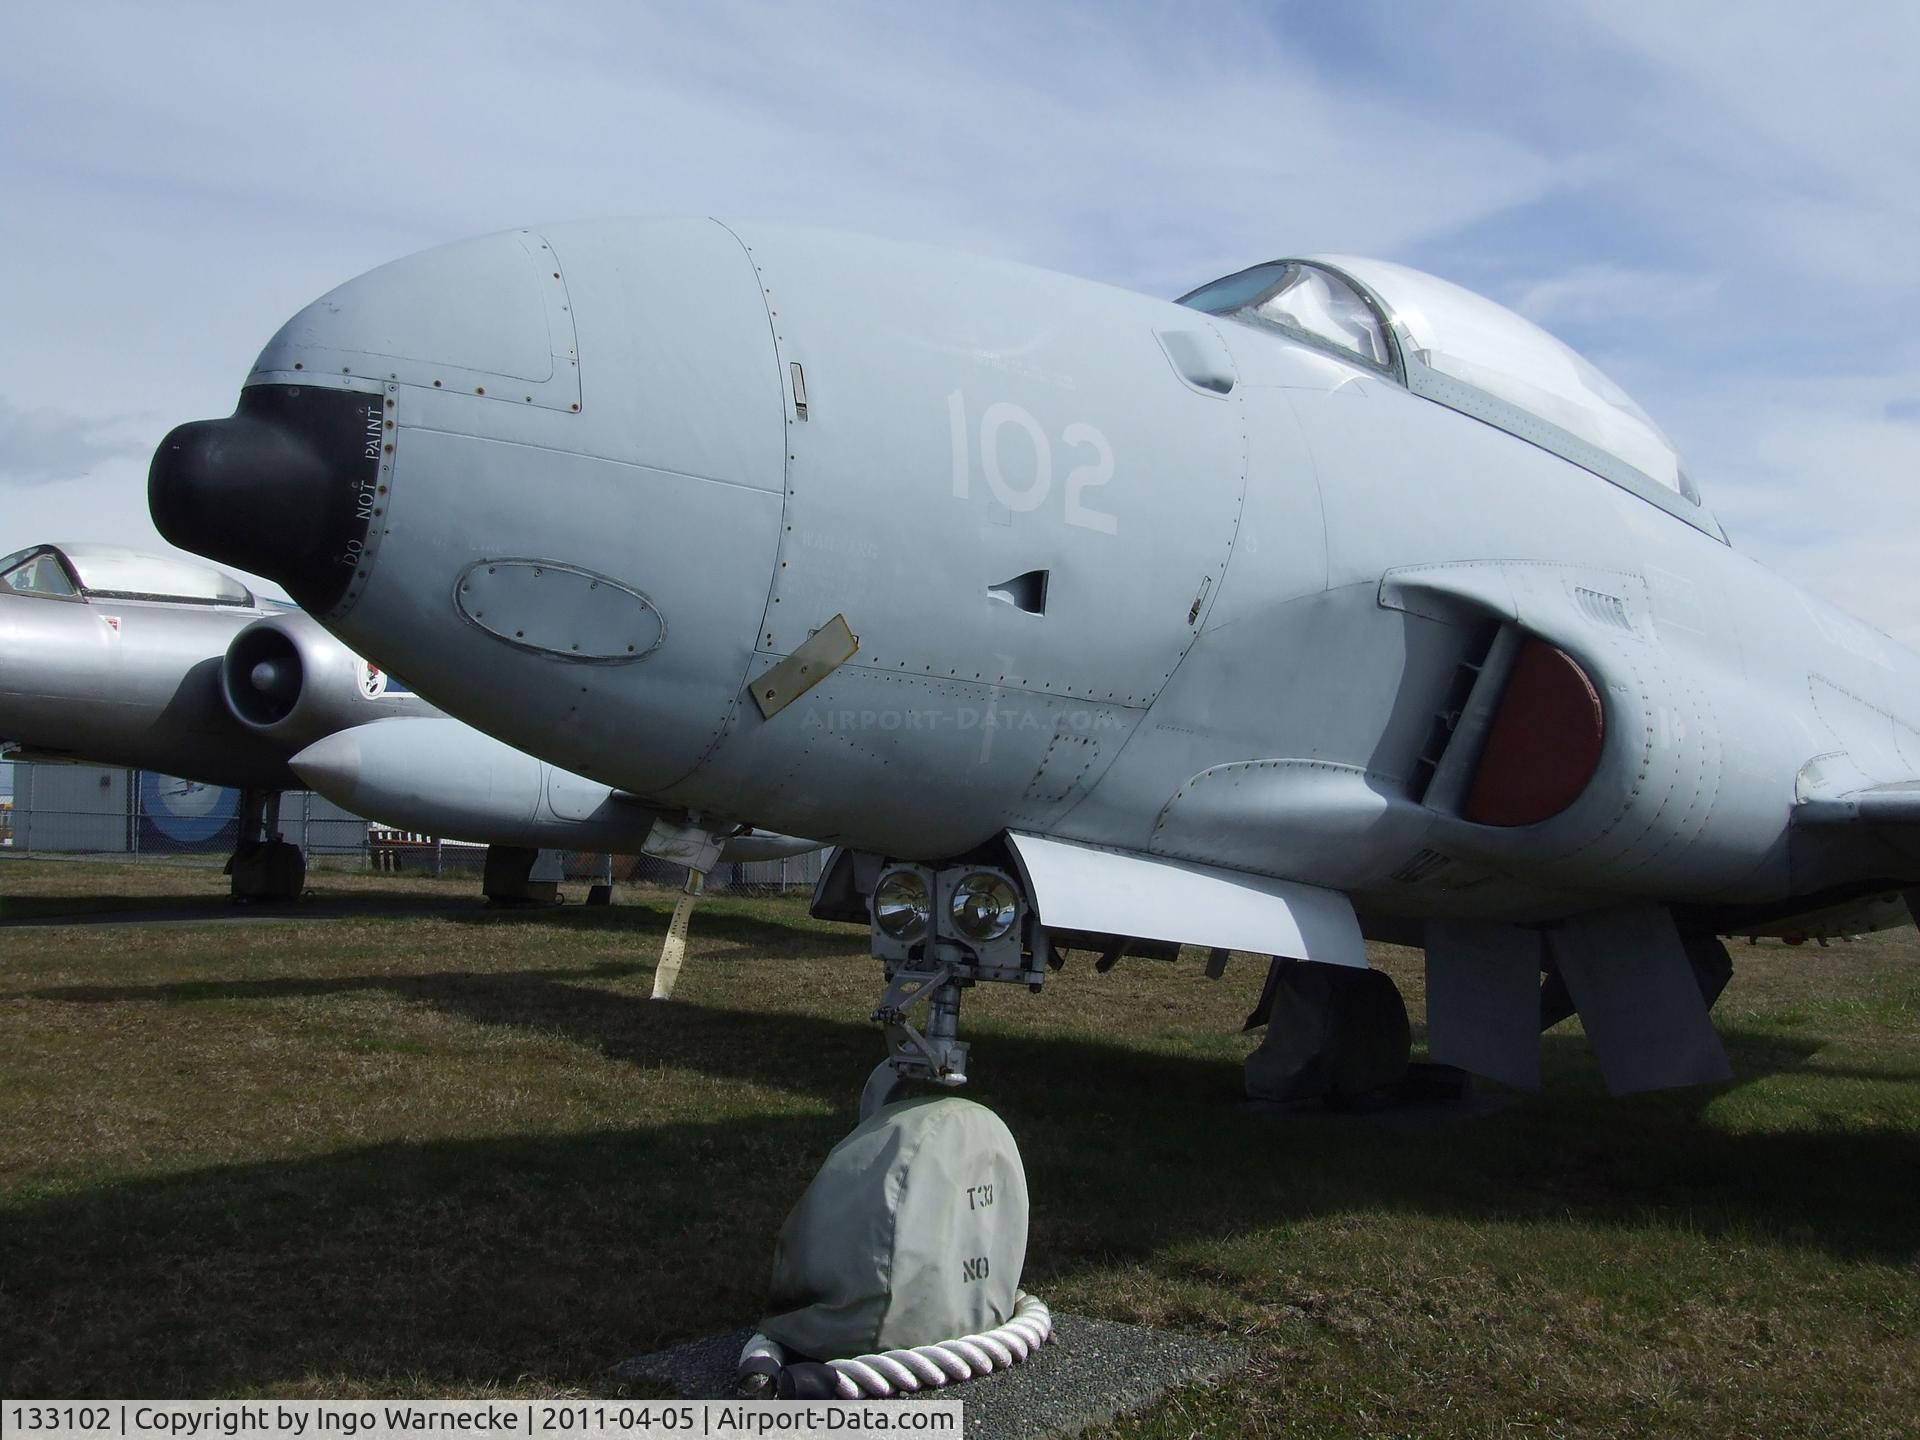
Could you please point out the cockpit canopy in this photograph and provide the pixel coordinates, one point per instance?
(1465, 352)
(87, 571)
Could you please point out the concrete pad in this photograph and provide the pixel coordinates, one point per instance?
(1089, 1373)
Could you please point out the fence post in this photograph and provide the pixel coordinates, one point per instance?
(133, 812)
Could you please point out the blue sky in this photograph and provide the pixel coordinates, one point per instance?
(1718, 202)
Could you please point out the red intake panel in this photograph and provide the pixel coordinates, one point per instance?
(1544, 744)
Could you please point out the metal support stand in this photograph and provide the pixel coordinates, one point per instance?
(602, 892)
(509, 878)
(253, 806)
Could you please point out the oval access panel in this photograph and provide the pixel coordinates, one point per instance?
(560, 610)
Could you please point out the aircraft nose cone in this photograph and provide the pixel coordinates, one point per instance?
(285, 487)
(331, 766)
(239, 491)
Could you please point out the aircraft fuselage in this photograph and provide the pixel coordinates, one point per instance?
(134, 683)
(1120, 572)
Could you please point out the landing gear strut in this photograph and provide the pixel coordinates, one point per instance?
(263, 865)
(940, 931)
(521, 875)
(935, 1057)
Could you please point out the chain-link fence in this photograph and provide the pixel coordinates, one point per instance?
(95, 810)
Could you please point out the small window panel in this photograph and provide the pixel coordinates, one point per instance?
(1236, 292)
(1306, 302)
(40, 574)
(1329, 310)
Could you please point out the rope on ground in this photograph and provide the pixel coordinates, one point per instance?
(924, 1367)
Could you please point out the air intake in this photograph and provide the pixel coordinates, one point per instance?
(1026, 592)
(263, 676)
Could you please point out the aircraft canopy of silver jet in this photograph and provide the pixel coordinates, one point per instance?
(113, 572)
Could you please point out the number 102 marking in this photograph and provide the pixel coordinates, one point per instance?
(1033, 494)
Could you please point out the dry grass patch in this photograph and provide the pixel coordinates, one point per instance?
(460, 1152)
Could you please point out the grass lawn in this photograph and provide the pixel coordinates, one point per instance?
(459, 1152)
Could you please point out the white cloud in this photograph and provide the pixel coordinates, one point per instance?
(45, 444)
(1714, 200)
(1596, 294)
(1817, 481)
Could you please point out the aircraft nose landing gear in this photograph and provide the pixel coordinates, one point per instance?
(935, 1057)
(940, 931)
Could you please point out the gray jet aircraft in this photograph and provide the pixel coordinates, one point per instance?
(116, 657)
(1332, 601)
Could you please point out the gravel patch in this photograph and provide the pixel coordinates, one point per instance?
(1091, 1372)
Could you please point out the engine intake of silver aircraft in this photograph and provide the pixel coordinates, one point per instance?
(285, 678)
(262, 676)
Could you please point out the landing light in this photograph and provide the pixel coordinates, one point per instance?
(984, 907)
(901, 904)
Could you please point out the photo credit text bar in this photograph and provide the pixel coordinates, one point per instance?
(473, 1419)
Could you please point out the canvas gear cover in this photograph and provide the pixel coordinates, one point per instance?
(1332, 1031)
(913, 1232)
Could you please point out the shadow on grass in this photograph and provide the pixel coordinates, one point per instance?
(717, 918)
(644, 919)
(143, 909)
(545, 1259)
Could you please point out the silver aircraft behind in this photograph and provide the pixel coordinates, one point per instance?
(115, 657)
(1331, 601)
